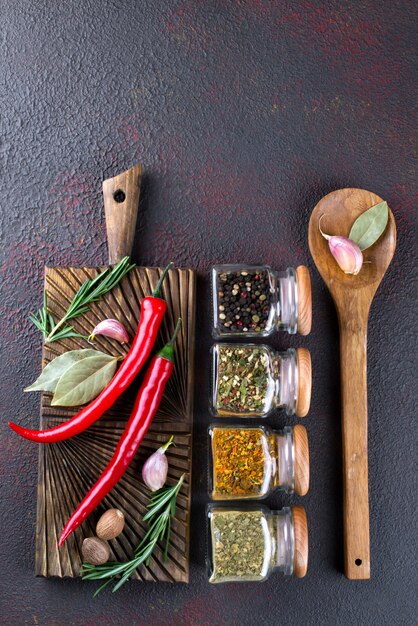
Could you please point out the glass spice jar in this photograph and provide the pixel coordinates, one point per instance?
(256, 300)
(250, 462)
(250, 380)
(249, 544)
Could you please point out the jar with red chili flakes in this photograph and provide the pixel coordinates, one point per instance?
(250, 462)
(255, 300)
(250, 380)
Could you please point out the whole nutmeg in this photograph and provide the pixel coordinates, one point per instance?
(95, 550)
(110, 525)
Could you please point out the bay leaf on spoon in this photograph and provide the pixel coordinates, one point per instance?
(370, 225)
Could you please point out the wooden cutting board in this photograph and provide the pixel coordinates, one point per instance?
(68, 469)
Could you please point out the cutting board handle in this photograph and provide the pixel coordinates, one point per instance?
(353, 353)
(121, 199)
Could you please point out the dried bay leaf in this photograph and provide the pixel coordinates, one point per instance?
(84, 380)
(369, 226)
(52, 372)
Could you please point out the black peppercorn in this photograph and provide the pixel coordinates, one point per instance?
(237, 289)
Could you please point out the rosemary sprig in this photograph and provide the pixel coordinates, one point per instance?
(161, 509)
(45, 322)
(90, 291)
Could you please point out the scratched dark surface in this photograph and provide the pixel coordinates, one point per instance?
(244, 114)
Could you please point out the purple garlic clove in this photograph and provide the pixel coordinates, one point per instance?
(155, 468)
(110, 328)
(345, 251)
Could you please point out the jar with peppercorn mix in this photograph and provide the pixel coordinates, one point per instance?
(250, 380)
(250, 462)
(256, 300)
(248, 544)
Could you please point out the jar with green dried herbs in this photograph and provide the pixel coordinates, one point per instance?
(251, 380)
(250, 462)
(247, 545)
(255, 300)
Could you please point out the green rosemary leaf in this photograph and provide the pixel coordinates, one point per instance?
(151, 536)
(37, 322)
(66, 332)
(157, 502)
(42, 319)
(126, 576)
(96, 593)
(90, 291)
(167, 543)
(173, 507)
(159, 530)
(100, 572)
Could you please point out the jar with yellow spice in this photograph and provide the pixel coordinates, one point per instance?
(250, 462)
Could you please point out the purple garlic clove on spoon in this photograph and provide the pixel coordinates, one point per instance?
(347, 254)
(345, 251)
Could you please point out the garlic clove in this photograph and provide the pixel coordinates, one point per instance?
(345, 251)
(155, 468)
(110, 525)
(110, 328)
(154, 471)
(347, 254)
(95, 551)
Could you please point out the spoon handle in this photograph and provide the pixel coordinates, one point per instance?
(353, 352)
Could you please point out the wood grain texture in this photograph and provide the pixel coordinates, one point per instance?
(303, 280)
(121, 200)
(301, 455)
(300, 533)
(304, 387)
(352, 296)
(68, 469)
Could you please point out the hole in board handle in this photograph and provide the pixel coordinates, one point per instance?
(119, 196)
(358, 562)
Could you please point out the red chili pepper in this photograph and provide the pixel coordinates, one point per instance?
(146, 405)
(153, 309)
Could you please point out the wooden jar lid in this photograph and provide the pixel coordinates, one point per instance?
(301, 447)
(303, 396)
(303, 281)
(300, 533)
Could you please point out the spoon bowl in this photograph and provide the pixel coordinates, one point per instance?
(339, 210)
(352, 295)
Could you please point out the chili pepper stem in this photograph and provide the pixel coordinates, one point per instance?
(152, 313)
(157, 291)
(167, 352)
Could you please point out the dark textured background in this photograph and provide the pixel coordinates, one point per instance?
(244, 113)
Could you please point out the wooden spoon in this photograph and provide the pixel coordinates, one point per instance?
(352, 296)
